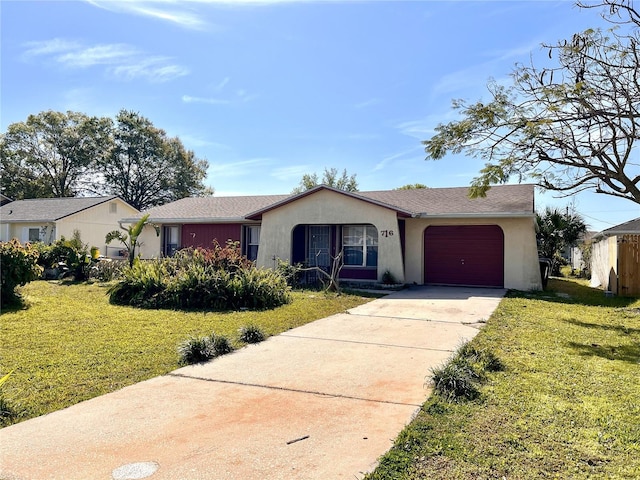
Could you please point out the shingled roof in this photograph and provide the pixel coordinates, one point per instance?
(631, 227)
(425, 202)
(207, 209)
(503, 200)
(47, 209)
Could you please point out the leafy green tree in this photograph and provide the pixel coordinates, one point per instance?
(571, 125)
(556, 231)
(52, 154)
(130, 239)
(146, 168)
(412, 186)
(330, 178)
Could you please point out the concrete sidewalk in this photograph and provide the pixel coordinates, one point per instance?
(322, 401)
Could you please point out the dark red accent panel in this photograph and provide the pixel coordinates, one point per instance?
(203, 234)
(359, 273)
(464, 255)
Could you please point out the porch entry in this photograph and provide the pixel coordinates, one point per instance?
(317, 245)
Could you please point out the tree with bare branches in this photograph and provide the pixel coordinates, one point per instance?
(571, 125)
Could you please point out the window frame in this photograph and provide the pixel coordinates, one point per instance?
(366, 241)
(249, 242)
(31, 229)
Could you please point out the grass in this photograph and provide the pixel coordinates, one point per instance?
(567, 404)
(69, 344)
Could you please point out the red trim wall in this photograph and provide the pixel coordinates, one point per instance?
(203, 235)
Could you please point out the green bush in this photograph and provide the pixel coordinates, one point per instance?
(198, 279)
(457, 380)
(71, 257)
(195, 350)
(291, 273)
(19, 266)
(107, 270)
(460, 378)
(220, 345)
(251, 334)
(140, 284)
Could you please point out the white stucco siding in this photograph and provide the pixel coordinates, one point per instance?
(330, 208)
(521, 267)
(94, 223)
(149, 245)
(20, 231)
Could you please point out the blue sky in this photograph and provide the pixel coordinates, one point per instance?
(269, 90)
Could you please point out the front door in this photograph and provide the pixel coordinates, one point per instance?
(319, 246)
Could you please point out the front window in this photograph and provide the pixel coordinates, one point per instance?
(171, 240)
(360, 245)
(34, 234)
(252, 240)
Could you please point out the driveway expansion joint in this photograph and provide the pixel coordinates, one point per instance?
(375, 344)
(288, 389)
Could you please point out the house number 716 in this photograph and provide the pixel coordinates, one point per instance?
(387, 233)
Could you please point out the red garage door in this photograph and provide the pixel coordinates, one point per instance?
(464, 255)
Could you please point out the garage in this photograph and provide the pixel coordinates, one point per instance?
(464, 255)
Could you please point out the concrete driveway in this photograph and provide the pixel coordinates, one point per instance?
(322, 401)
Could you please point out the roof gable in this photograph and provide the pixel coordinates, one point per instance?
(258, 213)
(48, 209)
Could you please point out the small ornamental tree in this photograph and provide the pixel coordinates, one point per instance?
(19, 266)
(130, 239)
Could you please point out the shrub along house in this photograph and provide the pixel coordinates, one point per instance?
(422, 236)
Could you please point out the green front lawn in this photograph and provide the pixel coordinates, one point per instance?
(70, 344)
(567, 406)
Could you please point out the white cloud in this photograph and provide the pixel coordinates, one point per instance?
(208, 100)
(237, 168)
(121, 60)
(419, 129)
(240, 95)
(368, 103)
(181, 12)
(155, 69)
(166, 10)
(97, 55)
(410, 152)
(291, 172)
(193, 141)
(48, 47)
(222, 84)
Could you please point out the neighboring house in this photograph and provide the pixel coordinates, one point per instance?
(4, 199)
(615, 259)
(575, 253)
(422, 236)
(49, 219)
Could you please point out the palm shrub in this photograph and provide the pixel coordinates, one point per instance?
(140, 285)
(456, 380)
(251, 334)
(195, 349)
(460, 378)
(220, 345)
